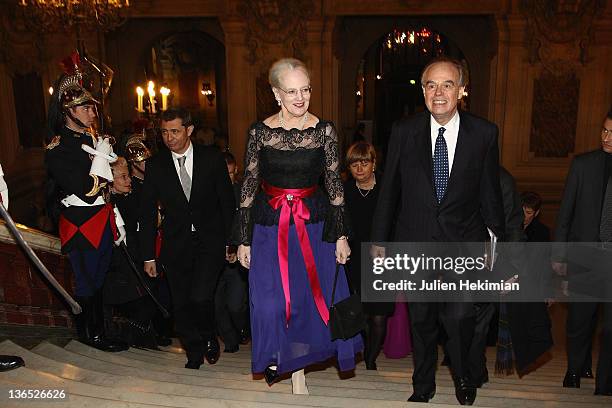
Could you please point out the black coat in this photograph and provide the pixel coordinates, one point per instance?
(580, 212)
(473, 199)
(210, 209)
(529, 322)
(121, 284)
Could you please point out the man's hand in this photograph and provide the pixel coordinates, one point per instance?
(244, 255)
(343, 251)
(377, 251)
(560, 268)
(150, 268)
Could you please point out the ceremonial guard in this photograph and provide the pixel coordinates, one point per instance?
(78, 163)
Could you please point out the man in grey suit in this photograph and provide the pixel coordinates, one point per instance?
(586, 216)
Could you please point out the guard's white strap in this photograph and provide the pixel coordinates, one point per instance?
(74, 201)
(118, 218)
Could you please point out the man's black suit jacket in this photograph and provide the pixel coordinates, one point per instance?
(580, 213)
(210, 209)
(473, 199)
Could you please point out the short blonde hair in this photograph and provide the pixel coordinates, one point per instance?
(283, 65)
(120, 162)
(360, 151)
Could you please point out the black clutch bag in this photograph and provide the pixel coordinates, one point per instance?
(346, 318)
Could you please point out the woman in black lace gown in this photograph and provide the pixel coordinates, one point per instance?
(291, 233)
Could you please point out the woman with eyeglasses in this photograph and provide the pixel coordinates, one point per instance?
(361, 195)
(291, 234)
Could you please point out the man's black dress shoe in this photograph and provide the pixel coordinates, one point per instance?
(10, 362)
(271, 375)
(603, 392)
(422, 397)
(464, 391)
(231, 349)
(193, 364)
(586, 373)
(104, 344)
(571, 380)
(212, 351)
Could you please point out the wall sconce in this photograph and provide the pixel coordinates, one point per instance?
(358, 97)
(207, 92)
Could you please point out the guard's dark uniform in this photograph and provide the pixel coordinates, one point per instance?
(86, 231)
(86, 222)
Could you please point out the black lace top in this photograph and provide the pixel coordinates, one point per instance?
(292, 159)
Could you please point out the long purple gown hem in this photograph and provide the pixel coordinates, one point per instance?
(306, 340)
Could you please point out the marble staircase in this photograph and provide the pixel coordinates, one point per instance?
(145, 378)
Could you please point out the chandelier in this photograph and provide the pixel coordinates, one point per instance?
(423, 41)
(48, 16)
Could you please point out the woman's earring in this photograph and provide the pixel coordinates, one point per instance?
(279, 102)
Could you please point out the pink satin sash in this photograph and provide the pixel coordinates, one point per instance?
(290, 202)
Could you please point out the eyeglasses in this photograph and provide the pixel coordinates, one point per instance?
(293, 93)
(605, 131)
(444, 86)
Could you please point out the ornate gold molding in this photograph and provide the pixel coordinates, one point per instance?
(559, 32)
(275, 22)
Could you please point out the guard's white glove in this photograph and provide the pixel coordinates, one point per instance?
(102, 157)
(3, 189)
(120, 228)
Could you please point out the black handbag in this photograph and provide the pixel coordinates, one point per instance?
(346, 318)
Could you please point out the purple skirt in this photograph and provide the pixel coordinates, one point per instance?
(307, 339)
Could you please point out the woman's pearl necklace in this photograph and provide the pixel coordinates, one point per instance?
(281, 121)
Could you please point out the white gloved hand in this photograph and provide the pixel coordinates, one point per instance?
(102, 157)
(120, 228)
(3, 189)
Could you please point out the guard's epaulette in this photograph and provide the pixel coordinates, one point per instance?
(54, 142)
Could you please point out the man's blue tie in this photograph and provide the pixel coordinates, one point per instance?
(440, 165)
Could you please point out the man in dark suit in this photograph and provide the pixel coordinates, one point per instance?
(192, 185)
(534, 229)
(586, 216)
(441, 185)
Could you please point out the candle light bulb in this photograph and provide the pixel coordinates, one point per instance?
(140, 93)
(165, 92)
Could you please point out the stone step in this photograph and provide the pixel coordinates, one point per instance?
(75, 401)
(357, 386)
(75, 377)
(542, 376)
(242, 359)
(139, 376)
(108, 397)
(402, 377)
